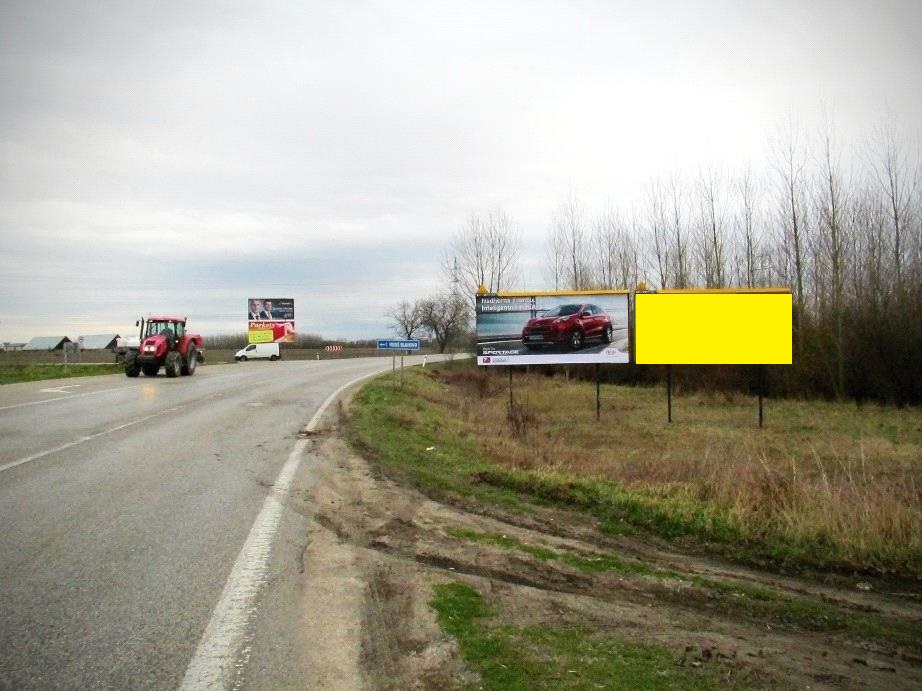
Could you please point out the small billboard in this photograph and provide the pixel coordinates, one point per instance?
(531, 328)
(718, 327)
(270, 320)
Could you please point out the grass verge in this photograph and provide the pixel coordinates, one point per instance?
(450, 432)
(13, 374)
(742, 598)
(548, 657)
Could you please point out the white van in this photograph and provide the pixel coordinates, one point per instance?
(258, 351)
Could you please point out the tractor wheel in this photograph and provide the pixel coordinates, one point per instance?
(150, 370)
(576, 339)
(607, 334)
(173, 364)
(188, 367)
(132, 368)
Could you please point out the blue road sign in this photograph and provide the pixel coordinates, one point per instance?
(385, 344)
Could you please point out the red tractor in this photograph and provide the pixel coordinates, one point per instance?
(164, 342)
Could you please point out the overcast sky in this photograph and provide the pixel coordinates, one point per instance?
(183, 156)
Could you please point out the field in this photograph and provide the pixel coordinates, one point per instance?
(824, 486)
(559, 551)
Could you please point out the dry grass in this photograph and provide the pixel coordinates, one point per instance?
(825, 473)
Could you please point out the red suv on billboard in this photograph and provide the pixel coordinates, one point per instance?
(569, 326)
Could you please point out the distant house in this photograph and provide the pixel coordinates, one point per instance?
(47, 343)
(98, 341)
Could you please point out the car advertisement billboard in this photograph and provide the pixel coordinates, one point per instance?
(542, 328)
(720, 327)
(270, 320)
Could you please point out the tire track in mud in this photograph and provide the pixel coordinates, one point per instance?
(402, 544)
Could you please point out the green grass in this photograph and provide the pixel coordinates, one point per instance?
(751, 600)
(542, 553)
(549, 657)
(12, 374)
(407, 437)
(431, 433)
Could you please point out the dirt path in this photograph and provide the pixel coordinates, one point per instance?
(379, 549)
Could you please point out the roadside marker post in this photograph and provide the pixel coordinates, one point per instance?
(669, 392)
(598, 394)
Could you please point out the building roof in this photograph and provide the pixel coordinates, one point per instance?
(47, 343)
(98, 341)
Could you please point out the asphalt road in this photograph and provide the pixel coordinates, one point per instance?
(125, 506)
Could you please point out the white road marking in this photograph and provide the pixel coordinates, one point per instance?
(61, 398)
(215, 663)
(61, 389)
(93, 393)
(85, 439)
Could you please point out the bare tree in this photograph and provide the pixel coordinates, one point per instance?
(751, 269)
(711, 234)
(616, 252)
(556, 256)
(675, 216)
(660, 232)
(568, 233)
(830, 253)
(408, 319)
(898, 182)
(607, 237)
(446, 317)
(485, 252)
(629, 264)
(789, 163)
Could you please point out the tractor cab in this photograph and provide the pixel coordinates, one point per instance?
(164, 326)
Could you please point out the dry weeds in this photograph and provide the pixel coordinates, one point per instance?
(821, 472)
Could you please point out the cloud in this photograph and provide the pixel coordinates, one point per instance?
(155, 156)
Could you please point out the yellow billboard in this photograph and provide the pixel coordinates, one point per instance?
(713, 328)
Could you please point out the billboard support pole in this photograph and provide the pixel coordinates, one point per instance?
(761, 386)
(401, 371)
(669, 392)
(598, 397)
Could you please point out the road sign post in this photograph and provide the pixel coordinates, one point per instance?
(394, 345)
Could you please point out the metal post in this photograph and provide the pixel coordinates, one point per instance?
(761, 385)
(598, 394)
(401, 371)
(669, 391)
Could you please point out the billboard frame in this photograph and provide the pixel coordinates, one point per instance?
(513, 355)
(632, 332)
(760, 367)
(275, 327)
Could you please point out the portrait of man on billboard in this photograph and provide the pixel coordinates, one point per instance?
(255, 309)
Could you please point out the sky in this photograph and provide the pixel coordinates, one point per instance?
(180, 157)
